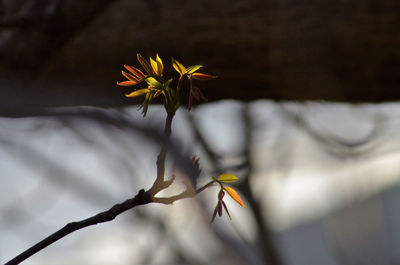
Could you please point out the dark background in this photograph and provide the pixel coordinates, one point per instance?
(66, 52)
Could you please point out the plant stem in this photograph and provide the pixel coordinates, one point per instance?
(188, 193)
(178, 87)
(160, 182)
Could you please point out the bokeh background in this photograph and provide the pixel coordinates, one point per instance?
(304, 112)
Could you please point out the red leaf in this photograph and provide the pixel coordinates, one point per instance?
(127, 83)
(201, 76)
(134, 71)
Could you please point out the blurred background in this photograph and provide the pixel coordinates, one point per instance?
(304, 112)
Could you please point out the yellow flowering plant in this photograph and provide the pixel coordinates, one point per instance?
(158, 85)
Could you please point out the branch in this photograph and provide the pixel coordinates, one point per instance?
(188, 193)
(265, 236)
(160, 183)
(140, 199)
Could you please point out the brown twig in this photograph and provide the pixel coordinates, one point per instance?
(160, 182)
(140, 199)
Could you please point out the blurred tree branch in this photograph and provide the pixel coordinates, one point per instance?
(267, 249)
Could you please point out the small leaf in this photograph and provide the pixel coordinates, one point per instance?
(127, 83)
(234, 195)
(137, 93)
(214, 214)
(178, 67)
(159, 64)
(145, 104)
(193, 68)
(201, 76)
(197, 94)
(221, 194)
(152, 82)
(154, 66)
(158, 92)
(219, 207)
(145, 64)
(226, 209)
(129, 76)
(134, 71)
(227, 178)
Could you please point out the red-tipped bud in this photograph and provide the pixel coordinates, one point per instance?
(221, 194)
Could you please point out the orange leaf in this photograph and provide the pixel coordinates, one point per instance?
(129, 76)
(201, 76)
(145, 64)
(134, 71)
(234, 195)
(127, 83)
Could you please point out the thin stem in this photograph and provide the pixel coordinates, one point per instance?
(160, 182)
(178, 87)
(140, 199)
(205, 186)
(188, 193)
